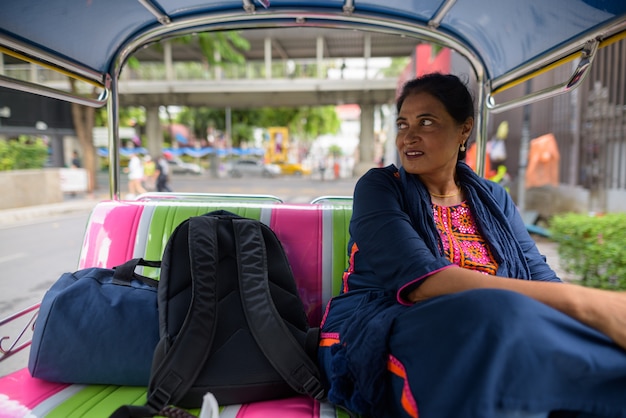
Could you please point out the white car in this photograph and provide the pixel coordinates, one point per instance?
(255, 168)
(178, 166)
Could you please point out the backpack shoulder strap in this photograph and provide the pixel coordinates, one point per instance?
(181, 365)
(266, 324)
(179, 368)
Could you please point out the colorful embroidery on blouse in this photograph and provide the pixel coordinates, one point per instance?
(462, 242)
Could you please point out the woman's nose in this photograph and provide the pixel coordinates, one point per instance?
(409, 137)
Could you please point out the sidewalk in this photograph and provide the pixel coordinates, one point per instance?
(16, 216)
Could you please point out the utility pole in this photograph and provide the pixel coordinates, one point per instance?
(523, 156)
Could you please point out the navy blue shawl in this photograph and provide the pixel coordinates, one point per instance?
(491, 220)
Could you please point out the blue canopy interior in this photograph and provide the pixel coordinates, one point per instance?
(504, 35)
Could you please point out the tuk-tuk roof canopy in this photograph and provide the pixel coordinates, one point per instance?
(503, 35)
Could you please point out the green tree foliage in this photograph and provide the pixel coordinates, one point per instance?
(22, 153)
(307, 123)
(310, 122)
(221, 46)
(216, 47)
(335, 150)
(198, 119)
(398, 64)
(129, 116)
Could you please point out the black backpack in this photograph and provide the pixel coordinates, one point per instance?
(231, 319)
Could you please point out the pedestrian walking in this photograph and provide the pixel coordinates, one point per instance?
(162, 175)
(135, 176)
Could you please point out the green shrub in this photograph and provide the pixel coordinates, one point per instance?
(22, 153)
(593, 248)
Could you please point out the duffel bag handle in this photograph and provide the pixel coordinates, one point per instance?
(124, 273)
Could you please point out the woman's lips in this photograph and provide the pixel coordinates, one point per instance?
(413, 154)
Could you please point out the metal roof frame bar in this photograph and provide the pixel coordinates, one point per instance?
(32, 55)
(575, 80)
(605, 35)
(162, 17)
(34, 88)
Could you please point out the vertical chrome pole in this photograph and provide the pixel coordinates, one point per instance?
(481, 124)
(114, 138)
(229, 127)
(523, 155)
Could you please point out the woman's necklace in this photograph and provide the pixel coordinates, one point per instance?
(443, 196)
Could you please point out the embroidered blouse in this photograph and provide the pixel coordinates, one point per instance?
(462, 243)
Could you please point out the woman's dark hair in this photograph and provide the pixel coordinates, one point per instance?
(448, 89)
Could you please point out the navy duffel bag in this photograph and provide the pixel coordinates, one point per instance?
(97, 326)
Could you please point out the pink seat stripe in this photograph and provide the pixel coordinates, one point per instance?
(296, 407)
(21, 387)
(299, 228)
(110, 237)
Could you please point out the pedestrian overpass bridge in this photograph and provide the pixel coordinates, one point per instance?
(251, 93)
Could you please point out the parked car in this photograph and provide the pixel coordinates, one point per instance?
(178, 166)
(293, 169)
(255, 168)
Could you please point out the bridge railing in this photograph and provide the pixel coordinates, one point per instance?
(284, 69)
(335, 69)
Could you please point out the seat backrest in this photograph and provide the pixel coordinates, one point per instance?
(315, 237)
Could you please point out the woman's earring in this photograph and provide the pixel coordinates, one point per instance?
(463, 147)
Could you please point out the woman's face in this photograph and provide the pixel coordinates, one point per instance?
(428, 138)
